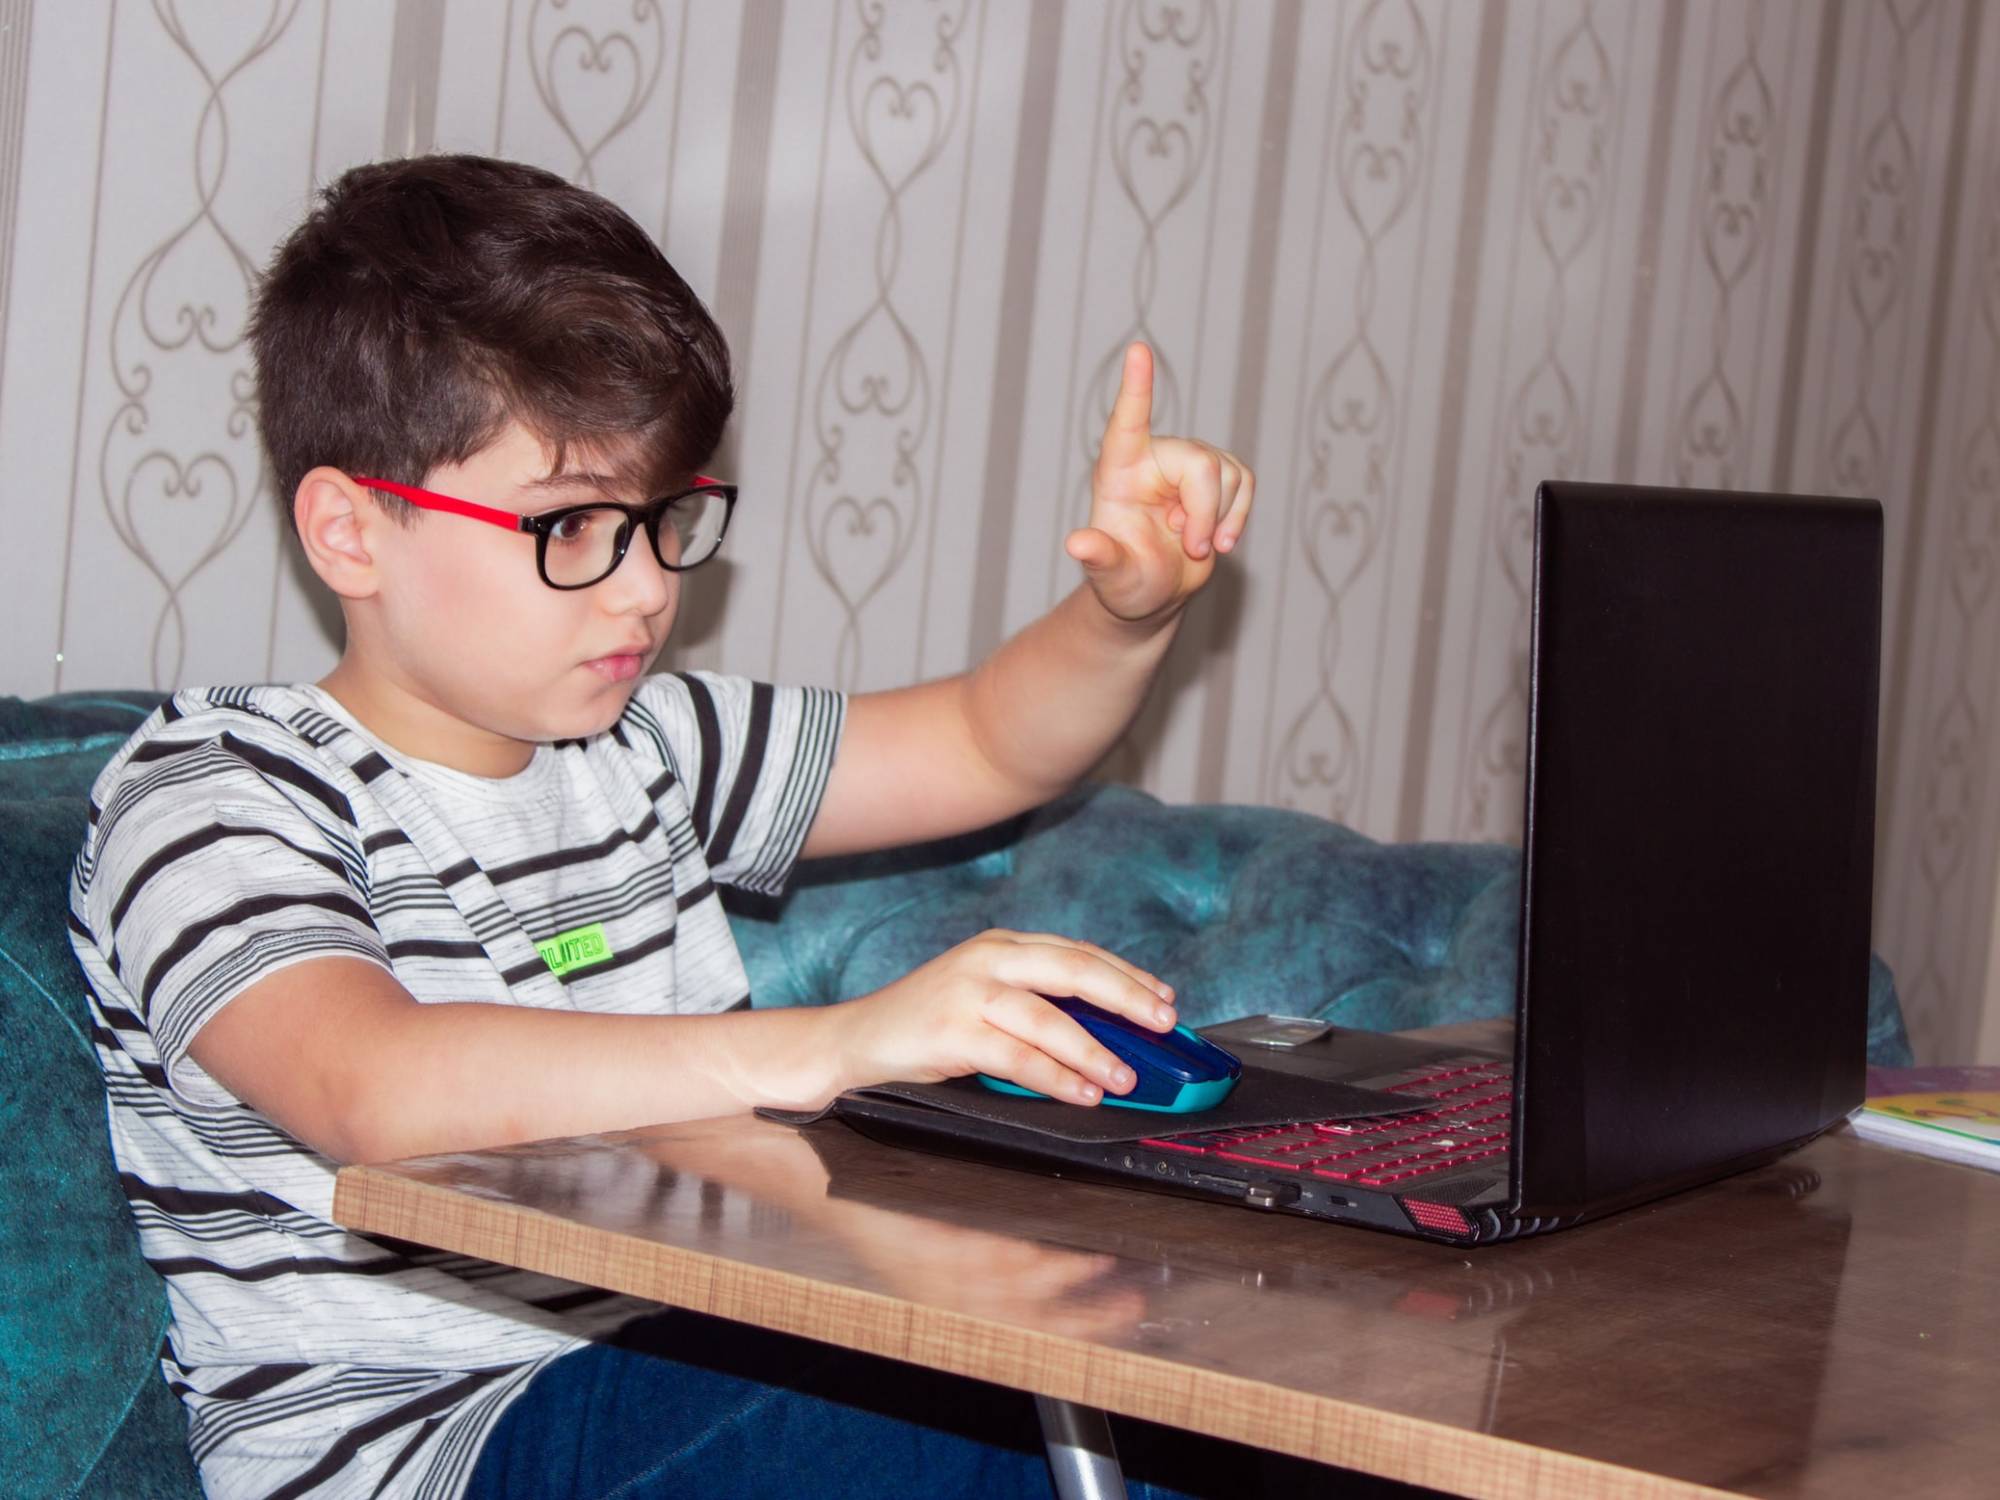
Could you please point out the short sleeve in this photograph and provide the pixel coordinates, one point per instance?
(753, 760)
(203, 875)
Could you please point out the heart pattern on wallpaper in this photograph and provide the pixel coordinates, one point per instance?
(1317, 760)
(1972, 576)
(1380, 149)
(1375, 185)
(859, 542)
(1354, 397)
(176, 518)
(900, 127)
(1565, 213)
(1950, 792)
(1711, 425)
(1882, 227)
(872, 393)
(1157, 163)
(177, 464)
(1160, 110)
(594, 78)
(1570, 157)
(194, 287)
(1979, 520)
(177, 515)
(876, 369)
(1739, 172)
(1856, 455)
(1539, 438)
(1514, 541)
(1338, 539)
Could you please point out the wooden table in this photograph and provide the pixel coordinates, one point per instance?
(1826, 1326)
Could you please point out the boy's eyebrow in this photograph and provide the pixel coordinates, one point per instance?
(559, 484)
(570, 480)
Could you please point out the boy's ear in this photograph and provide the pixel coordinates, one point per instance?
(337, 525)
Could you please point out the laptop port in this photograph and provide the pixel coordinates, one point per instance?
(1256, 1194)
(1273, 1195)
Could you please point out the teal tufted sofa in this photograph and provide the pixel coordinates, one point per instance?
(1243, 909)
(83, 1409)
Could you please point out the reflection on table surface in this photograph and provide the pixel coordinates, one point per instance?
(1822, 1325)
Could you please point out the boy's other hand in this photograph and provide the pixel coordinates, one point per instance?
(979, 1009)
(1161, 507)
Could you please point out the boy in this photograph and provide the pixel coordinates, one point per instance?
(462, 891)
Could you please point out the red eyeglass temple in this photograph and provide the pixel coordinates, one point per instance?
(431, 500)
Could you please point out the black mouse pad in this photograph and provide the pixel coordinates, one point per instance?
(1262, 1096)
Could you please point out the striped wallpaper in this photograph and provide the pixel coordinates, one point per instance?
(1409, 256)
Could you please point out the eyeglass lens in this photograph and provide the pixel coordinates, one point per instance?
(586, 545)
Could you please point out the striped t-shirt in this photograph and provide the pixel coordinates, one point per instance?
(243, 829)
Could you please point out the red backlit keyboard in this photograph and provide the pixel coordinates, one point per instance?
(1470, 1120)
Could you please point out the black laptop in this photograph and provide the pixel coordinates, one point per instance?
(1696, 888)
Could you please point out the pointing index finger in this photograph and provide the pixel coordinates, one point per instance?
(1130, 428)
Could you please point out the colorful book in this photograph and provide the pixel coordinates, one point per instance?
(1949, 1112)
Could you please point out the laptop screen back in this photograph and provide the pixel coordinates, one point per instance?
(1700, 833)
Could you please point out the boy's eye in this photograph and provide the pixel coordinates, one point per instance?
(577, 526)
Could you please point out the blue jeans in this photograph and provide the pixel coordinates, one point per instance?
(683, 1404)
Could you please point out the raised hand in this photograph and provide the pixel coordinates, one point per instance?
(1161, 507)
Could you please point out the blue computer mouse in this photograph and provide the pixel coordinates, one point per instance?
(1178, 1071)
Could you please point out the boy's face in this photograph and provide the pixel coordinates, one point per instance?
(468, 628)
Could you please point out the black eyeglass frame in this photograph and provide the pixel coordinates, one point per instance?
(542, 526)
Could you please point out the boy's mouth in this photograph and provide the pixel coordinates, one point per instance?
(619, 668)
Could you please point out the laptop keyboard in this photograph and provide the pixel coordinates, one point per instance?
(1470, 1120)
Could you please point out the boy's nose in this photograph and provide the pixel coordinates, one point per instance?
(638, 585)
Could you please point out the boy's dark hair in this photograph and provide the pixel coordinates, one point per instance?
(426, 302)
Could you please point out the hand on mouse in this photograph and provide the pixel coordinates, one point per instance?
(978, 1008)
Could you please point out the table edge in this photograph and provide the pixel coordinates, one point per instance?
(1414, 1450)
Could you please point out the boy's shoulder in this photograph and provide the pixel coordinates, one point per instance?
(242, 734)
(665, 705)
(692, 717)
(248, 714)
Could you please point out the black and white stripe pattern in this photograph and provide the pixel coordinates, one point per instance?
(244, 829)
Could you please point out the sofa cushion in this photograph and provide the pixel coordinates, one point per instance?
(82, 1316)
(1241, 909)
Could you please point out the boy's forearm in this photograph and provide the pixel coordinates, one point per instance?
(465, 1077)
(1051, 702)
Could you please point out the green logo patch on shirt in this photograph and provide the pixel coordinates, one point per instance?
(578, 948)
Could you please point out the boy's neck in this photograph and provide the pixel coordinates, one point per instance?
(406, 722)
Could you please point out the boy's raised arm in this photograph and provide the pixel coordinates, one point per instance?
(1032, 719)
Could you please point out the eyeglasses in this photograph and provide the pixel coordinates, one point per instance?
(579, 545)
